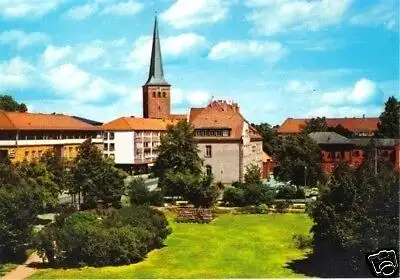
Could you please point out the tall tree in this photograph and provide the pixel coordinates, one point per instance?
(389, 119)
(8, 104)
(299, 160)
(269, 135)
(340, 129)
(96, 178)
(178, 151)
(315, 125)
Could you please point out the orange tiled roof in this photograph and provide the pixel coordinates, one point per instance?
(220, 114)
(132, 123)
(35, 121)
(353, 124)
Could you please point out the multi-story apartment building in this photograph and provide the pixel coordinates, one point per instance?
(361, 127)
(226, 141)
(26, 136)
(133, 142)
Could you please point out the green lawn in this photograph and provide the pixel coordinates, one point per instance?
(232, 246)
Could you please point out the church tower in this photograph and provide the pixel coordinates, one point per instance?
(156, 91)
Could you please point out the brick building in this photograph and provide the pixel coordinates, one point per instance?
(336, 147)
(226, 140)
(26, 136)
(361, 127)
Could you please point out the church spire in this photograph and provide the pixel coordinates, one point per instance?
(156, 73)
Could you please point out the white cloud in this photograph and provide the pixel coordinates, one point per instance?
(198, 97)
(170, 46)
(126, 8)
(296, 86)
(90, 52)
(384, 13)
(267, 50)
(27, 8)
(104, 7)
(277, 16)
(53, 54)
(364, 92)
(15, 73)
(21, 39)
(71, 81)
(185, 13)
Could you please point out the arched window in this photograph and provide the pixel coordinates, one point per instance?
(159, 94)
(163, 94)
(154, 94)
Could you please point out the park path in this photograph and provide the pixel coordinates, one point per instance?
(23, 271)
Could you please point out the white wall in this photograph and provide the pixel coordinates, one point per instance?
(124, 147)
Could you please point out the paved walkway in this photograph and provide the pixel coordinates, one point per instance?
(23, 271)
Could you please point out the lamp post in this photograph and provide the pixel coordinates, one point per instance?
(305, 176)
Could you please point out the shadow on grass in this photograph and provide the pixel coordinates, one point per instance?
(323, 267)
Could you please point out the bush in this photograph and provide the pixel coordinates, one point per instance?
(139, 193)
(282, 206)
(233, 197)
(290, 192)
(116, 237)
(302, 241)
(262, 209)
(256, 194)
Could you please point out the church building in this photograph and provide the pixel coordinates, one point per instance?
(226, 141)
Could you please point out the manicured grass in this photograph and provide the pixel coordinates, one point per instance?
(232, 246)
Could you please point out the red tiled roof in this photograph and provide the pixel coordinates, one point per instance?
(220, 114)
(353, 124)
(132, 123)
(35, 121)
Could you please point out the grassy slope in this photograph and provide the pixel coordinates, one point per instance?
(239, 246)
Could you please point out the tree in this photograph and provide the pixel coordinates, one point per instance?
(299, 159)
(178, 152)
(269, 135)
(315, 125)
(8, 104)
(389, 119)
(96, 178)
(253, 174)
(139, 193)
(356, 213)
(339, 129)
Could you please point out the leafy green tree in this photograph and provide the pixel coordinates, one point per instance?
(339, 129)
(96, 178)
(356, 213)
(253, 174)
(315, 125)
(58, 167)
(389, 126)
(178, 152)
(299, 159)
(8, 104)
(269, 135)
(139, 193)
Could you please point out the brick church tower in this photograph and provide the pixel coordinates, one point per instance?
(156, 91)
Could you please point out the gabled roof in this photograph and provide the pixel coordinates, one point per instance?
(358, 125)
(134, 124)
(221, 114)
(329, 138)
(266, 157)
(35, 121)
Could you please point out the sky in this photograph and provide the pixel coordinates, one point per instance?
(276, 58)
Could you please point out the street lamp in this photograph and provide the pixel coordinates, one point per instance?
(305, 176)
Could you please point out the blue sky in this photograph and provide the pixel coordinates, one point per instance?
(276, 58)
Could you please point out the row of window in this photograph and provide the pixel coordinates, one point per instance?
(159, 94)
(213, 132)
(109, 135)
(341, 154)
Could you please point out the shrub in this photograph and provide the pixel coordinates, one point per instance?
(302, 241)
(256, 194)
(290, 192)
(116, 237)
(139, 193)
(233, 197)
(282, 206)
(262, 209)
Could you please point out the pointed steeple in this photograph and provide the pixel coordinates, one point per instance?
(156, 73)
